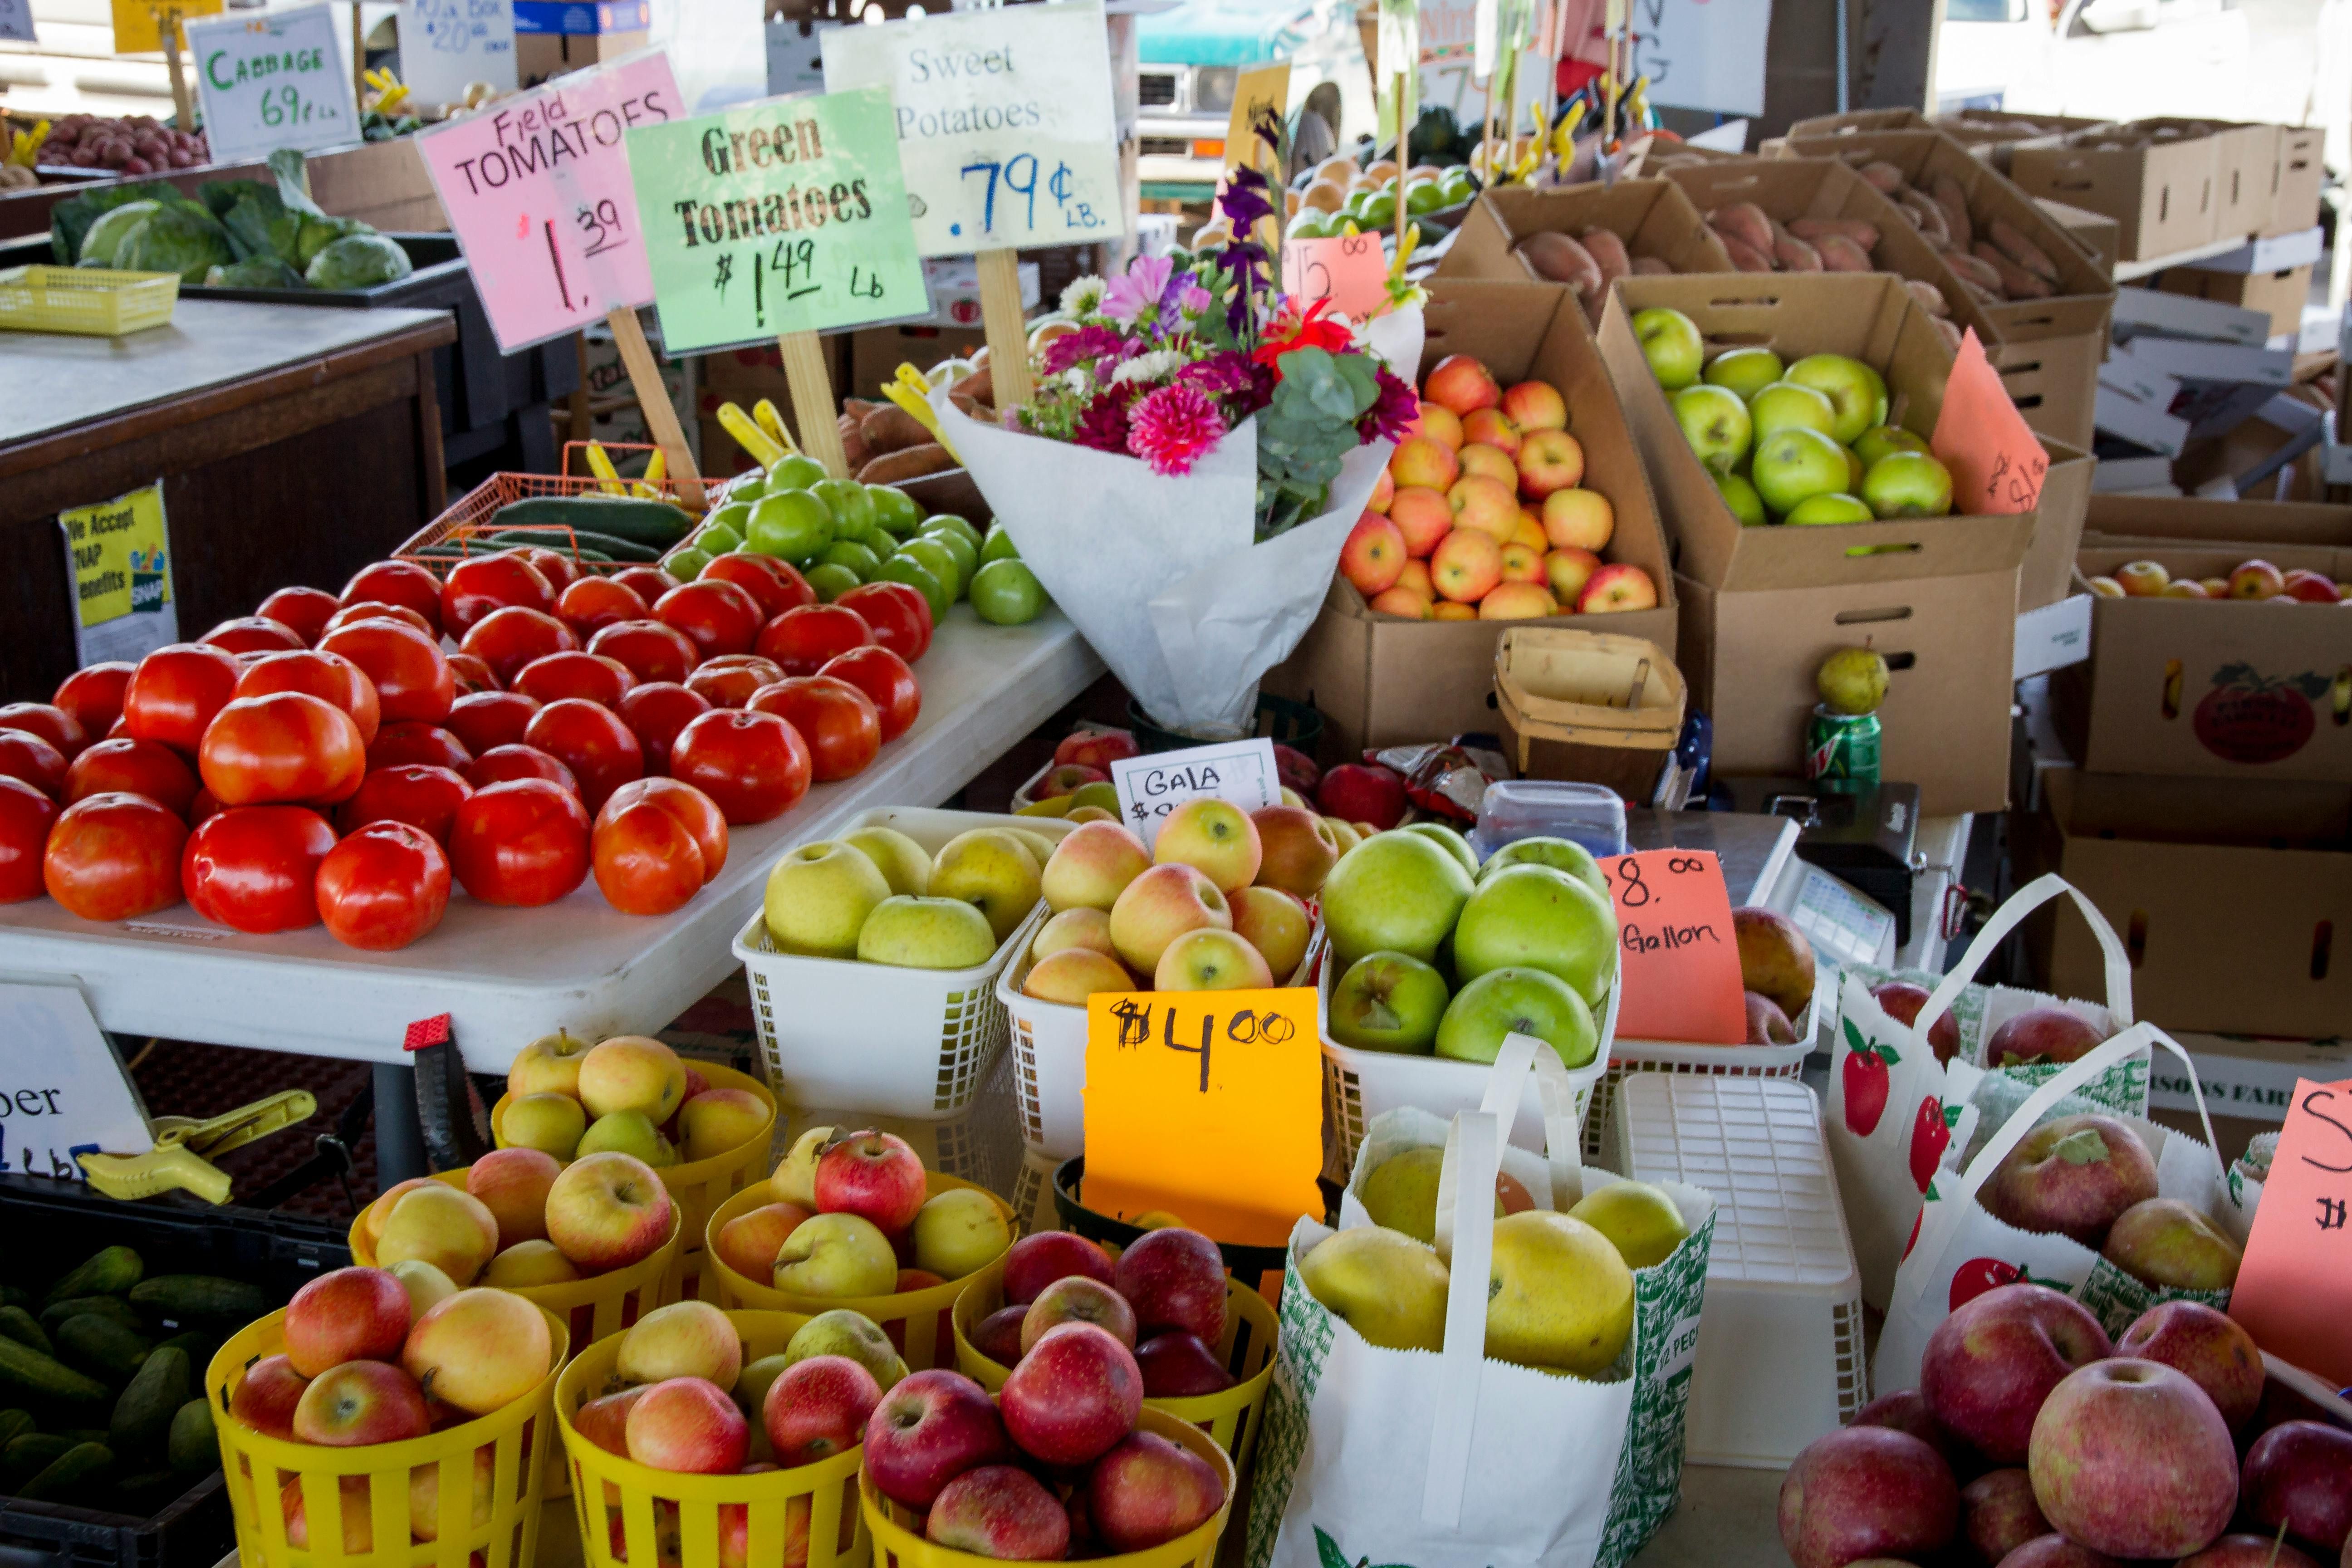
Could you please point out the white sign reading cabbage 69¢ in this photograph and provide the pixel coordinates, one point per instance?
(1004, 122)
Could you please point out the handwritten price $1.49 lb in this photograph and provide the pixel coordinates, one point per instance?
(1018, 176)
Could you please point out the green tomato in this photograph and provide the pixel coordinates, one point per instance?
(797, 472)
(1007, 594)
(717, 538)
(904, 568)
(830, 582)
(879, 539)
(1458, 184)
(998, 546)
(795, 525)
(685, 563)
(895, 510)
(1310, 225)
(850, 553)
(1424, 195)
(847, 500)
(1379, 211)
(938, 560)
(949, 521)
(735, 514)
(966, 553)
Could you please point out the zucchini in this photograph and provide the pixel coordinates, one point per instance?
(82, 1463)
(19, 1325)
(193, 1447)
(15, 1424)
(45, 1377)
(657, 523)
(29, 1455)
(197, 1345)
(142, 1416)
(199, 1297)
(113, 1309)
(103, 1347)
(585, 539)
(107, 1273)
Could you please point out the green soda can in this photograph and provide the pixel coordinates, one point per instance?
(1842, 747)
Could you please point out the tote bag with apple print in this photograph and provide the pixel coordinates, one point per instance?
(1895, 1115)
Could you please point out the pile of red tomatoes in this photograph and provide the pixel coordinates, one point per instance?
(325, 759)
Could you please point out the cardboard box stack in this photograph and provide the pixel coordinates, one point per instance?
(2176, 185)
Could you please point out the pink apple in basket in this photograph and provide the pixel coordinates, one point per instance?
(1905, 1411)
(1149, 1490)
(1299, 851)
(1463, 385)
(1866, 1492)
(1077, 1299)
(359, 1529)
(2209, 1347)
(479, 1350)
(1296, 769)
(1042, 1257)
(2299, 1474)
(685, 1339)
(688, 1424)
(1987, 1367)
(360, 1401)
(1095, 749)
(1425, 462)
(425, 1495)
(350, 1314)
(874, 1176)
(998, 1335)
(2054, 1551)
(1374, 555)
(1383, 492)
(2129, 1457)
(513, 1184)
(1175, 1278)
(1438, 422)
(1067, 778)
(1362, 792)
(1577, 519)
(1422, 517)
(1902, 1001)
(1092, 866)
(1178, 1365)
(1214, 837)
(999, 1511)
(1466, 565)
(1998, 1513)
(1618, 585)
(1536, 405)
(1567, 571)
(817, 1408)
(606, 1422)
(267, 1396)
(2247, 1551)
(929, 1429)
(607, 1211)
(1076, 1392)
(1159, 906)
(1549, 460)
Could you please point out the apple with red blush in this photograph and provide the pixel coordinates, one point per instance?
(930, 1427)
(874, 1175)
(818, 1407)
(1039, 1259)
(1148, 1490)
(1987, 1367)
(267, 1396)
(348, 1314)
(1077, 1299)
(1866, 1492)
(1175, 1278)
(2206, 1345)
(1178, 1365)
(1074, 1392)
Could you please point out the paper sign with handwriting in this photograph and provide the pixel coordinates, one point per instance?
(1677, 957)
(1004, 120)
(537, 188)
(447, 45)
(1350, 271)
(271, 80)
(1260, 98)
(140, 25)
(1996, 461)
(2297, 1272)
(62, 1090)
(786, 216)
(1152, 785)
(17, 21)
(1206, 1105)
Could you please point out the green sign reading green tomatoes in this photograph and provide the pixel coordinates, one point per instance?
(786, 216)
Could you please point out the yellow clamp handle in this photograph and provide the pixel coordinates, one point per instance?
(910, 392)
(657, 470)
(771, 420)
(1563, 139)
(750, 437)
(145, 1175)
(599, 463)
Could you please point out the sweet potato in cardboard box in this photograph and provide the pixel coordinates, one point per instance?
(1651, 219)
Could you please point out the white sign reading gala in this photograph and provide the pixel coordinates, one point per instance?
(272, 80)
(1157, 782)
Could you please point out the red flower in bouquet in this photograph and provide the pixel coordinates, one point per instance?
(1171, 427)
(1294, 329)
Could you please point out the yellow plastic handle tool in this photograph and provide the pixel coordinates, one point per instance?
(910, 392)
(236, 1129)
(182, 1143)
(161, 1170)
(771, 420)
(657, 470)
(599, 463)
(748, 436)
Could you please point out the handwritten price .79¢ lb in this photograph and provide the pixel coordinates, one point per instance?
(1012, 174)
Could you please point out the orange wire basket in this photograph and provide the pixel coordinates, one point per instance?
(469, 521)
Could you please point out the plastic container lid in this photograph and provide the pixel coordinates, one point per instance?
(1591, 815)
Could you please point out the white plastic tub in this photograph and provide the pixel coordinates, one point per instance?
(1690, 1057)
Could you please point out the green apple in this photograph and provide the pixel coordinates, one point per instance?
(1559, 854)
(903, 864)
(1672, 346)
(1518, 1002)
(938, 560)
(1533, 917)
(796, 471)
(1388, 1002)
(1716, 424)
(903, 569)
(751, 1390)
(1784, 405)
(852, 507)
(1857, 391)
(735, 514)
(895, 510)
(831, 581)
(1908, 484)
(1829, 507)
(548, 1121)
(994, 872)
(1395, 892)
(853, 1334)
(1449, 840)
(953, 524)
(850, 553)
(1740, 497)
(685, 563)
(794, 525)
(630, 1132)
(926, 933)
(1794, 464)
(1641, 1221)
(1005, 592)
(1745, 371)
(837, 1255)
(1881, 440)
(998, 546)
(818, 899)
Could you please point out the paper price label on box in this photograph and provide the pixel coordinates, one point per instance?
(1677, 956)
(1350, 271)
(537, 188)
(140, 25)
(1003, 121)
(1997, 462)
(787, 216)
(279, 79)
(1206, 1105)
(62, 1091)
(1152, 785)
(2297, 1270)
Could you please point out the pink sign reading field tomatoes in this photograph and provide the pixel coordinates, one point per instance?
(537, 187)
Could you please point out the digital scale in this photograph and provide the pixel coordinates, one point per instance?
(1865, 839)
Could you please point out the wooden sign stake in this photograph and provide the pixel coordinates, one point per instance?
(652, 398)
(358, 56)
(182, 105)
(1006, 324)
(813, 408)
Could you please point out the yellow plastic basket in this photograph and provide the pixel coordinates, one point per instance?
(88, 300)
(918, 1322)
(257, 1469)
(898, 1532)
(1246, 1350)
(699, 1186)
(672, 1520)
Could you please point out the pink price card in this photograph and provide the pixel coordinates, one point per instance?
(1996, 461)
(2297, 1272)
(537, 187)
(1349, 270)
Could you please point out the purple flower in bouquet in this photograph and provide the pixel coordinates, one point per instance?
(1087, 345)
(1229, 377)
(1171, 427)
(1145, 297)
(1393, 413)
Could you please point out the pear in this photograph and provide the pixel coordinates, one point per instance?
(1853, 680)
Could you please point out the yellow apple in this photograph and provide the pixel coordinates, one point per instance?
(1274, 923)
(512, 1184)
(749, 1243)
(1090, 868)
(1214, 837)
(1559, 1296)
(632, 1072)
(903, 864)
(718, 1120)
(1344, 833)
(1639, 1220)
(838, 1255)
(479, 1350)
(1211, 959)
(607, 1211)
(439, 1225)
(1400, 1192)
(818, 897)
(1075, 973)
(1386, 1286)
(796, 1178)
(371, 1221)
(1081, 927)
(685, 1339)
(958, 1232)
(426, 1286)
(529, 1263)
(630, 1132)
(548, 1122)
(994, 872)
(549, 1065)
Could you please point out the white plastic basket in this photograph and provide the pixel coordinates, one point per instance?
(909, 1043)
(1688, 1057)
(1781, 1357)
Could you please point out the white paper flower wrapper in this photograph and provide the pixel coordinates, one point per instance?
(1160, 571)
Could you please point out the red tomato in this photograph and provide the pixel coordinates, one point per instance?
(502, 764)
(415, 743)
(404, 582)
(328, 675)
(204, 808)
(114, 857)
(26, 817)
(591, 676)
(648, 582)
(645, 861)
(729, 679)
(899, 615)
(288, 745)
(805, 640)
(553, 565)
(656, 710)
(482, 583)
(375, 610)
(601, 752)
(384, 887)
(254, 634)
(255, 868)
(883, 676)
(25, 756)
(471, 673)
(304, 610)
(754, 766)
(53, 724)
(717, 616)
(93, 695)
(125, 766)
(697, 810)
(174, 693)
(420, 795)
(481, 720)
(412, 679)
(592, 603)
(522, 842)
(507, 640)
(839, 722)
(651, 650)
(773, 584)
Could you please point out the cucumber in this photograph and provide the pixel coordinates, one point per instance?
(19, 1325)
(102, 1347)
(82, 1463)
(113, 1309)
(657, 523)
(84, 1434)
(143, 1495)
(15, 1424)
(142, 1416)
(199, 1297)
(586, 540)
(198, 1345)
(193, 1447)
(14, 1296)
(107, 1273)
(28, 1455)
(45, 1377)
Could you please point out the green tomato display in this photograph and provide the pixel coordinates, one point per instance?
(735, 514)
(797, 472)
(717, 538)
(852, 507)
(685, 563)
(954, 524)
(1310, 225)
(966, 553)
(895, 510)
(941, 562)
(1007, 594)
(903, 569)
(998, 546)
(795, 525)
(1423, 196)
(850, 553)
(830, 582)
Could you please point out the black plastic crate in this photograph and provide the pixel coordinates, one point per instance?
(49, 1226)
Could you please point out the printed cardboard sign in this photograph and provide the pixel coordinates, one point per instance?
(120, 552)
(2297, 1271)
(786, 217)
(1004, 122)
(1152, 785)
(277, 80)
(1677, 958)
(62, 1091)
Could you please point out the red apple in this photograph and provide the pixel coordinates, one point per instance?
(1077, 1392)
(1902, 1001)
(1463, 385)
(2208, 1346)
(2311, 587)
(2300, 1476)
(999, 1511)
(1077, 1299)
(1296, 769)
(1362, 792)
(360, 1401)
(998, 1335)
(2129, 1457)
(1866, 1492)
(1987, 1367)
(818, 1406)
(2042, 1034)
(1039, 1259)
(930, 1428)
(2072, 1176)
(1147, 1491)
(1905, 1411)
(2054, 1551)
(352, 1314)
(513, 1184)
(688, 1424)
(1998, 1513)
(266, 1395)
(1095, 749)
(606, 1422)
(1175, 1279)
(874, 1175)
(2248, 1552)
(1178, 1365)
(1067, 778)
(352, 1496)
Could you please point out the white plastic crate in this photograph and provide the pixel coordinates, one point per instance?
(909, 1043)
(1683, 1057)
(1781, 1358)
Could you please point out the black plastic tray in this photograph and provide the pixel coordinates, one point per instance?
(437, 260)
